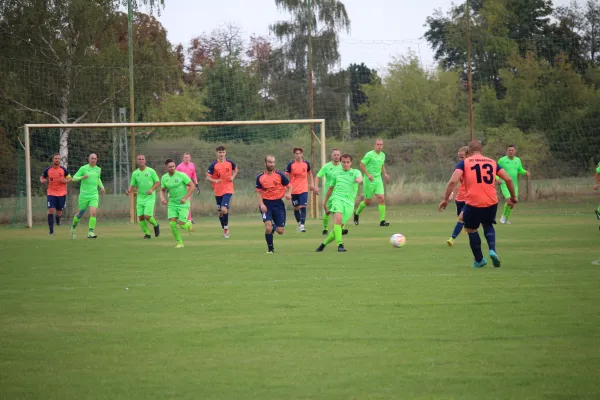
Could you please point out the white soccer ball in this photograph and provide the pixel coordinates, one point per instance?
(398, 240)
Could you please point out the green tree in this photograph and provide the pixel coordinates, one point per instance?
(359, 75)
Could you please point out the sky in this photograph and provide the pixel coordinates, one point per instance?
(380, 29)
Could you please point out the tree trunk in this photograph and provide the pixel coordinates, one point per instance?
(65, 100)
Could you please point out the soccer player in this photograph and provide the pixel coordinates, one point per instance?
(180, 189)
(271, 187)
(298, 170)
(57, 178)
(328, 171)
(89, 175)
(478, 173)
(596, 182)
(188, 168)
(372, 166)
(459, 196)
(513, 167)
(340, 199)
(222, 173)
(145, 181)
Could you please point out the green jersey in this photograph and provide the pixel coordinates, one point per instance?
(345, 186)
(176, 185)
(598, 169)
(90, 185)
(328, 171)
(144, 180)
(374, 163)
(513, 168)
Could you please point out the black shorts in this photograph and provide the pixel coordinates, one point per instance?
(223, 201)
(275, 212)
(460, 205)
(56, 202)
(475, 216)
(300, 199)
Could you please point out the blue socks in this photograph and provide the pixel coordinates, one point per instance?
(297, 215)
(490, 236)
(475, 242)
(51, 222)
(221, 220)
(269, 239)
(302, 215)
(225, 220)
(459, 226)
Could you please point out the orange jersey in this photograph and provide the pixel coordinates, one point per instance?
(298, 173)
(479, 176)
(272, 186)
(54, 175)
(461, 195)
(224, 172)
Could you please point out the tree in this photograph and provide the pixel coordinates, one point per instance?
(359, 75)
(68, 39)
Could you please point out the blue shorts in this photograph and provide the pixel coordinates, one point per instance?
(475, 216)
(300, 199)
(275, 212)
(223, 201)
(460, 205)
(57, 202)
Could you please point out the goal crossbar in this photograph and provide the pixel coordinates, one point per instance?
(27, 127)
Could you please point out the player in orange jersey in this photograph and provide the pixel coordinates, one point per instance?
(222, 173)
(459, 194)
(57, 177)
(271, 187)
(479, 174)
(298, 170)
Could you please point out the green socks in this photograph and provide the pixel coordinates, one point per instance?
(337, 230)
(329, 238)
(75, 222)
(381, 212)
(186, 226)
(507, 211)
(144, 226)
(92, 224)
(152, 221)
(326, 221)
(175, 231)
(360, 207)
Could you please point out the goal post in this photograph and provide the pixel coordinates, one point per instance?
(313, 205)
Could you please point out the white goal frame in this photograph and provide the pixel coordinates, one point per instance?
(320, 122)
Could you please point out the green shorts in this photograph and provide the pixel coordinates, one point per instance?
(506, 193)
(83, 202)
(145, 207)
(372, 188)
(179, 211)
(339, 206)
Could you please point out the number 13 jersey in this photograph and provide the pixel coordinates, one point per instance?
(479, 177)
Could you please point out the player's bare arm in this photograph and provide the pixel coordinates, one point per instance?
(190, 190)
(288, 192)
(235, 172)
(385, 174)
(153, 188)
(359, 179)
(101, 186)
(509, 185)
(596, 181)
(261, 204)
(163, 200)
(210, 179)
(131, 189)
(363, 168)
(454, 179)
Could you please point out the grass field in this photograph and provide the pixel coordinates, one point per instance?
(223, 320)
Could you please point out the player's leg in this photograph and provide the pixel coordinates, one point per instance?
(225, 207)
(51, 202)
(82, 204)
(183, 221)
(326, 217)
(296, 205)
(472, 222)
(380, 194)
(488, 219)
(267, 219)
(61, 203)
(140, 210)
(459, 224)
(93, 205)
(302, 203)
(218, 200)
(598, 212)
(189, 217)
(174, 228)
(148, 214)
(507, 209)
(279, 217)
(369, 191)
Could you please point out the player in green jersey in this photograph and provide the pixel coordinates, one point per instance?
(327, 172)
(596, 182)
(180, 189)
(512, 165)
(342, 193)
(372, 166)
(144, 181)
(89, 175)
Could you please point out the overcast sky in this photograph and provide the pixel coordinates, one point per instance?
(380, 29)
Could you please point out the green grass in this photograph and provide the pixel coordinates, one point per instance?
(222, 320)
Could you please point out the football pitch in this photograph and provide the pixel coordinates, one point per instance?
(119, 317)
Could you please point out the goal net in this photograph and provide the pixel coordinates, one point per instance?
(246, 142)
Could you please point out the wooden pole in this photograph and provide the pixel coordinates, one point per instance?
(313, 197)
(469, 72)
(131, 102)
(28, 178)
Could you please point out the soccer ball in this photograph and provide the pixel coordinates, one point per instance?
(398, 240)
